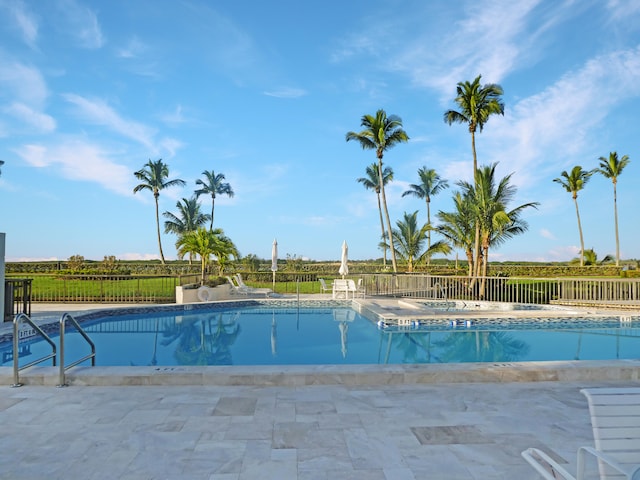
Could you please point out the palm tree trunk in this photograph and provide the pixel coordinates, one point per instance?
(384, 249)
(386, 212)
(580, 231)
(485, 262)
(428, 231)
(213, 202)
(158, 228)
(476, 265)
(615, 216)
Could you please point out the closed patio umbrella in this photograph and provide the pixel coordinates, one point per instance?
(274, 261)
(344, 268)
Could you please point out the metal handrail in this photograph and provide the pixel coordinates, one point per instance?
(92, 355)
(16, 334)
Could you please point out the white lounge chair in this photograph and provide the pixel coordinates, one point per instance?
(615, 419)
(235, 288)
(251, 290)
(323, 286)
(342, 288)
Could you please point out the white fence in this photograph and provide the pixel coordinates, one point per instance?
(623, 292)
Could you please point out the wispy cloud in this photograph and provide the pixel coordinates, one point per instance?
(623, 9)
(24, 83)
(175, 117)
(28, 89)
(287, 92)
(79, 160)
(82, 23)
(547, 234)
(41, 121)
(24, 21)
(133, 49)
(100, 113)
(551, 129)
(441, 62)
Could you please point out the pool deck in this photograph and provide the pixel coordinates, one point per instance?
(369, 427)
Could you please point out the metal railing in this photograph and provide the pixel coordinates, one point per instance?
(16, 344)
(92, 355)
(103, 288)
(17, 297)
(622, 292)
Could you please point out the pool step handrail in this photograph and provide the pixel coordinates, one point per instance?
(23, 317)
(63, 320)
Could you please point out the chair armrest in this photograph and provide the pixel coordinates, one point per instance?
(630, 472)
(545, 465)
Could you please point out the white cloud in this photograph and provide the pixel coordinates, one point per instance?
(553, 128)
(78, 160)
(133, 49)
(82, 23)
(24, 21)
(287, 92)
(24, 83)
(100, 113)
(623, 9)
(174, 118)
(138, 256)
(171, 145)
(41, 121)
(547, 234)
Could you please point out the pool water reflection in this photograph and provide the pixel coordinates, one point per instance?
(324, 336)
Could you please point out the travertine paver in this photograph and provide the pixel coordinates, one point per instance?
(446, 431)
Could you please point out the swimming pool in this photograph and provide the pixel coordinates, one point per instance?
(261, 335)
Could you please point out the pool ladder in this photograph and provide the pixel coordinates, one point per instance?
(62, 368)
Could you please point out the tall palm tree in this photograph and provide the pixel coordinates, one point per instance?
(476, 104)
(372, 182)
(410, 240)
(154, 175)
(611, 168)
(430, 184)
(381, 132)
(458, 226)
(206, 243)
(1, 163)
(213, 185)
(573, 182)
(189, 218)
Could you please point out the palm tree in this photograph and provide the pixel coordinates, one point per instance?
(213, 185)
(154, 175)
(372, 182)
(410, 240)
(611, 168)
(591, 258)
(430, 184)
(1, 163)
(458, 227)
(574, 182)
(189, 218)
(206, 243)
(381, 132)
(477, 103)
(489, 200)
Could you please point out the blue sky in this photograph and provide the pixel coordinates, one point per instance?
(264, 93)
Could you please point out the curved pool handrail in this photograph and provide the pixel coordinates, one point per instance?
(92, 355)
(16, 354)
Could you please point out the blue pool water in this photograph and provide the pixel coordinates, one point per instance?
(322, 336)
